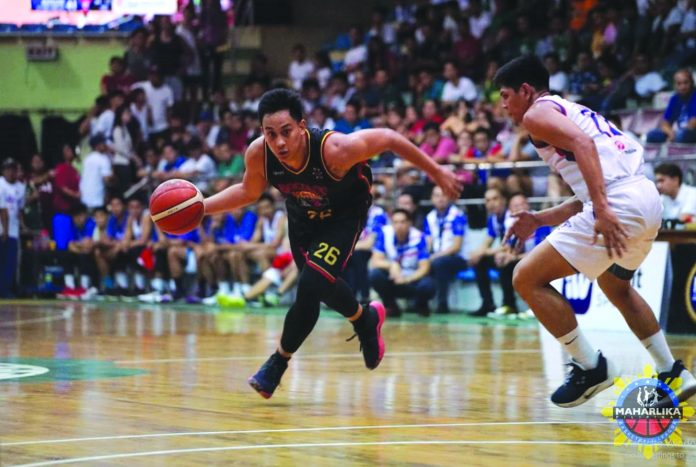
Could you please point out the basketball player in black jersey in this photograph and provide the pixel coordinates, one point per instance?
(326, 183)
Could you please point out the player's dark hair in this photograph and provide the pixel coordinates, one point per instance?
(670, 170)
(526, 69)
(404, 212)
(277, 100)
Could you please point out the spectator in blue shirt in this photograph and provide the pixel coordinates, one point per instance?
(678, 124)
(507, 257)
(356, 272)
(482, 258)
(77, 257)
(401, 265)
(352, 121)
(445, 226)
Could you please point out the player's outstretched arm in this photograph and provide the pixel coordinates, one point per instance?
(249, 190)
(342, 152)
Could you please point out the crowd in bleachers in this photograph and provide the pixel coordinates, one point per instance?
(423, 69)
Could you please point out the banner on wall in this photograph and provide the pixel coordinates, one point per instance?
(145, 7)
(593, 309)
(682, 312)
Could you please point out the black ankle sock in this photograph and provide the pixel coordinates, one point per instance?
(364, 317)
(281, 356)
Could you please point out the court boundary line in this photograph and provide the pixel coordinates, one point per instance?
(333, 444)
(310, 429)
(326, 355)
(64, 314)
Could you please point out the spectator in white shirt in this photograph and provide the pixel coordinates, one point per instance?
(479, 20)
(140, 111)
(11, 204)
(457, 88)
(678, 199)
(159, 99)
(105, 122)
(357, 54)
(558, 79)
(647, 82)
(96, 173)
(199, 168)
(300, 68)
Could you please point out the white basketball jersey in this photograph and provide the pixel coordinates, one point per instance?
(619, 155)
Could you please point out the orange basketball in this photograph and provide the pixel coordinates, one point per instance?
(176, 206)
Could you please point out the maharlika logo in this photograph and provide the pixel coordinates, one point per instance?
(648, 412)
(577, 289)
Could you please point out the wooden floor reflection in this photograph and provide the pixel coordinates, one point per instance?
(166, 386)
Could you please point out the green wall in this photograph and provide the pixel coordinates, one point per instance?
(70, 83)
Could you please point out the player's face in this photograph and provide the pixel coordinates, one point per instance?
(514, 102)
(284, 135)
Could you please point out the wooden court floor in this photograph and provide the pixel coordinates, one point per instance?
(117, 384)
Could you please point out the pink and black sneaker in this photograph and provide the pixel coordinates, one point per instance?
(369, 330)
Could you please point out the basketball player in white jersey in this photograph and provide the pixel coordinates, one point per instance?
(606, 230)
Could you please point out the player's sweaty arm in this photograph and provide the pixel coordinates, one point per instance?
(344, 151)
(249, 190)
(543, 122)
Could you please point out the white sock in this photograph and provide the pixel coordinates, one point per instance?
(579, 348)
(172, 285)
(237, 288)
(139, 279)
(224, 287)
(659, 351)
(245, 288)
(158, 284)
(69, 281)
(121, 280)
(85, 282)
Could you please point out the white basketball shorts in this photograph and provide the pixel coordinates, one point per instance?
(637, 204)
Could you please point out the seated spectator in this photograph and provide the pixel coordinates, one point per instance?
(319, 118)
(436, 145)
(507, 257)
(229, 164)
(263, 246)
(457, 87)
(678, 124)
(467, 50)
(252, 96)
(678, 198)
(136, 240)
(365, 94)
(407, 201)
(356, 272)
(232, 132)
(401, 265)
(357, 54)
(584, 81)
(322, 68)
(558, 79)
(352, 119)
(118, 79)
(338, 93)
(199, 168)
(170, 163)
(111, 257)
(483, 257)
(77, 259)
(445, 226)
(96, 173)
(647, 80)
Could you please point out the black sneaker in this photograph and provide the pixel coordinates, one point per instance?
(267, 379)
(687, 388)
(370, 334)
(483, 311)
(581, 385)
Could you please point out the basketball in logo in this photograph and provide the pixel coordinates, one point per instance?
(690, 294)
(647, 411)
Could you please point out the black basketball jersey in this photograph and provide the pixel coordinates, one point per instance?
(312, 193)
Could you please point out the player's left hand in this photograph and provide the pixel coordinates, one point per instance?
(446, 179)
(609, 226)
(526, 223)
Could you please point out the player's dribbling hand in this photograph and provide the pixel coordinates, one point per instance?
(446, 179)
(609, 226)
(526, 223)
